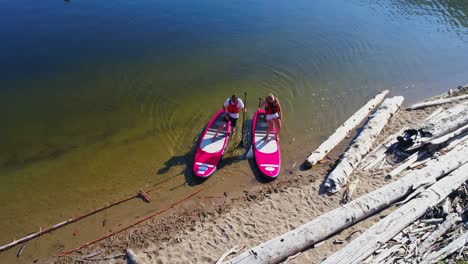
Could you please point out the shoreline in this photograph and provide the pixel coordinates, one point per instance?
(178, 225)
(202, 235)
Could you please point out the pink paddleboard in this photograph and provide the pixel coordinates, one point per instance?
(209, 151)
(267, 152)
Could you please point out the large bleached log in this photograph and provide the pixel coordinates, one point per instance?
(368, 242)
(362, 144)
(441, 229)
(437, 102)
(343, 131)
(434, 257)
(280, 247)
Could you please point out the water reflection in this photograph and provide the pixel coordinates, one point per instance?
(446, 15)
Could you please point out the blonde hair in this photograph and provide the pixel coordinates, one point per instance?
(270, 97)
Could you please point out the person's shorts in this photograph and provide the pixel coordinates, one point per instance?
(233, 120)
(272, 116)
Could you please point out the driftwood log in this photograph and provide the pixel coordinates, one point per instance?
(437, 102)
(367, 243)
(283, 246)
(343, 131)
(362, 144)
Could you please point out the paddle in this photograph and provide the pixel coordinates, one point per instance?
(249, 153)
(241, 144)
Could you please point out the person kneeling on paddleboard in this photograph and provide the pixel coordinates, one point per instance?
(273, 112)
(231, 107)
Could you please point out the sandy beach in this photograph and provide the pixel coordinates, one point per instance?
(200, 232)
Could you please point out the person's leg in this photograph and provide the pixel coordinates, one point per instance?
(233, 126)
(277, 122)
(270, 127)
(219, 130)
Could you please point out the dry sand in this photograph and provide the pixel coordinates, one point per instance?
(203, 235)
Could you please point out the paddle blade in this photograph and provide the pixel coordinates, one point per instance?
(249, 154)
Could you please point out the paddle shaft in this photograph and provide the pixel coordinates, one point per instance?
(243, 118)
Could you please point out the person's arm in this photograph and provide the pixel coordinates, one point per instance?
(279, 110)
(225, 110)
(242, 106)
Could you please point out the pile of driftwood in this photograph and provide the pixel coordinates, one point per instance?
(437, 234)
(428, 165)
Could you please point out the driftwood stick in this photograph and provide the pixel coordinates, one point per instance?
(343, 131)
(362, 144)
(107, 258)
(363, 246)
(227, 253)
(133, 257)
(349, 191)
(291, 258)
(446, 251)
(422, 229)
(280, 247)
(432, 221)
(93, 254)
(437, 102)
(441, 229)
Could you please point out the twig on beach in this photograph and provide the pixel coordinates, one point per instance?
(227, 253)
(107, 258)
(93, 254)
(21, 250)
(292, 257)
(348, 193)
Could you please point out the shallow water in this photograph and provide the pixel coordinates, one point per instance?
(99, 99)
